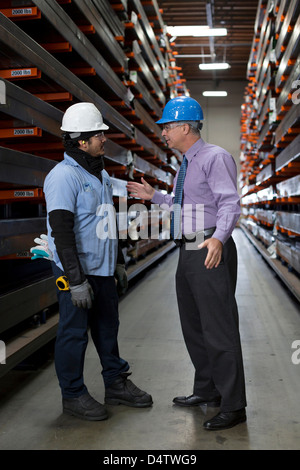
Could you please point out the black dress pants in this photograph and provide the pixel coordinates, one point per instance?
(210, 324)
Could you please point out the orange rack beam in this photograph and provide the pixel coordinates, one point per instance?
(87, 28)
(83, 71)
(62, 96)
(12, 74)
(19, 255)
(287, 231)
(37, 146)
(20, 132)
(288, 200)
(11, 195)
(57, 46)
(28, 13)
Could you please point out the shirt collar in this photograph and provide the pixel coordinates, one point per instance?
(70, 160)
(194, 149)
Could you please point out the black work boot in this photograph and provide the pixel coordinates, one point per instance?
(84, 407)
(123, 392)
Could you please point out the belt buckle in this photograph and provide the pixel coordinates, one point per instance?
(193, 242)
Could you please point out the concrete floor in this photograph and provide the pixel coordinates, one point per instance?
(150, 339)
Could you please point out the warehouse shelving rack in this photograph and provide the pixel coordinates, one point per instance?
(270, 150)
(55, 53)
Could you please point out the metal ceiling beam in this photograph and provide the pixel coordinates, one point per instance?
(238, 44)
(209, 16)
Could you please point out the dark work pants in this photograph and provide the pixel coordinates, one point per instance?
(210, 325)
(72, 335)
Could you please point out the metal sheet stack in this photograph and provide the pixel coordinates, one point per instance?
(115, 54)
(270, 124)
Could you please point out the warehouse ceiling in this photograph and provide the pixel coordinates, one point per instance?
(238, 16)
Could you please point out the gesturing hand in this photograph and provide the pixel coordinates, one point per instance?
(142, 191)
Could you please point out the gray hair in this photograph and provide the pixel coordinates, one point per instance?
(195, 126)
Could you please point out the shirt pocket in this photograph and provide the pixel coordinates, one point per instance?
(108, 191)
(89, 199)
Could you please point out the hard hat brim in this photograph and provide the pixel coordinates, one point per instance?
(163, 121)
(103, 127)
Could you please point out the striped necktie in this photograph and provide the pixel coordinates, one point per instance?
(176, 214)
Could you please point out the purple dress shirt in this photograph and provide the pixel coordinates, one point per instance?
(210, 197)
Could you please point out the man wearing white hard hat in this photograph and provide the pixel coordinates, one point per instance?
(75, 190)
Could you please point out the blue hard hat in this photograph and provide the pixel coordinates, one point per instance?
(182, 108)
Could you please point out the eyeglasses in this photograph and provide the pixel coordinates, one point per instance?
(99, 136)
(168, 127)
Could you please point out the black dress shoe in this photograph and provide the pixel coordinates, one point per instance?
(194, 400)
(225, 420)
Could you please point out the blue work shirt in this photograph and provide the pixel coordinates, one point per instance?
(70, 187)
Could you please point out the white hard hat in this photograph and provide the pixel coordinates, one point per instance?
(82, 117)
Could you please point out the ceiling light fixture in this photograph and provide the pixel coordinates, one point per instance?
(214, 93)
(214, 66)
(191, 56)
(196, 31)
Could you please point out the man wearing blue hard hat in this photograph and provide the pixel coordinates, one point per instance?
(204, 212)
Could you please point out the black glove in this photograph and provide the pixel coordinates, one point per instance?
(82, 295)
(121, 278)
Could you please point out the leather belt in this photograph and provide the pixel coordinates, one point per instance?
(192, 237)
